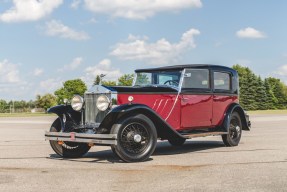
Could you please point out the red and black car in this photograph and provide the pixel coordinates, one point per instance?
(172, 103)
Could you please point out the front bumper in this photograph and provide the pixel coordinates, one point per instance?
(102, 139)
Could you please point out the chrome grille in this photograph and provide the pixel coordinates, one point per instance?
(92, 114)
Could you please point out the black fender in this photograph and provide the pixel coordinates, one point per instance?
(164, 130)
(65, 113)
(235, 107)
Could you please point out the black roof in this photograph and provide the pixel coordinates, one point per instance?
(180, 67)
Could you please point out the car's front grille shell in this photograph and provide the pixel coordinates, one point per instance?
(93, 115)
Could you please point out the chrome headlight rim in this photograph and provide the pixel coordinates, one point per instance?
(77, 102)
(103, 102)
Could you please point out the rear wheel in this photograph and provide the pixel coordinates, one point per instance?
(234, 131)
(136, 138)
(67, 149)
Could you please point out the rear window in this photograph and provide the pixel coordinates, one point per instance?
(222, 81)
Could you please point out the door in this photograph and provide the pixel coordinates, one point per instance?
(196, 99)
(223, 95)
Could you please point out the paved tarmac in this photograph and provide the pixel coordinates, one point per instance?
(259, 163)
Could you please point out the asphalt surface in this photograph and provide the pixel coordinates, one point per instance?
(259, 163)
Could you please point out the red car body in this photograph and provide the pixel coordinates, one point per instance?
(172, 103)
(207, 110)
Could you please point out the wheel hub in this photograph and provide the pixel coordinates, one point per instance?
(237, 128)
(137, 138)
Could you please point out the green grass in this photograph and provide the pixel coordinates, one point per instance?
(268, 112)
(24, 114)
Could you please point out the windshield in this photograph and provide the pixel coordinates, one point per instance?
(158, 78)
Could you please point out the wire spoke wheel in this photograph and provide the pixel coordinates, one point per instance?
(135, 138)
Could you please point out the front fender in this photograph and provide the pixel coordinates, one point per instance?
(164, 130)
(59, 109)
(65, 113)
(235, 107)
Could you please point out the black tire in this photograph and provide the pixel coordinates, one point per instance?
(67, 149)
(234, 131)
(176, 141)
(114, 151)
(136, 138)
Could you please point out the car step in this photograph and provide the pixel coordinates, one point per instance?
(189, 136)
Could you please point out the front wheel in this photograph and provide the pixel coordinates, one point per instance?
(136, 138)
(234, 131)
(67, 149)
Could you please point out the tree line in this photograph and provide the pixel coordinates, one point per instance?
(256, 93)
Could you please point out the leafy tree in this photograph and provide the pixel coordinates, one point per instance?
(4, 107)
(109, 83)
(278, 90)
(126, 80)
(142, 79)
(69, 89)
(46, 101)
(97, 80)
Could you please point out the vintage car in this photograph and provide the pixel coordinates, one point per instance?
(171, 103)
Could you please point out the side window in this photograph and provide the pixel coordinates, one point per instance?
(222, 81)
(196, 79)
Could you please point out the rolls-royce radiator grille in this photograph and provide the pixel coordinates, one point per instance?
(92, 114)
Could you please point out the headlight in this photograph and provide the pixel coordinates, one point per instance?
(77, 102)
(103, 102)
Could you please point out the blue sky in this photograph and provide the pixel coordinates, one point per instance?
(46, 42)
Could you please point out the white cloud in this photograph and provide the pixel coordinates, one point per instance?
(38, 72)
(49, 86)
(93, 20)
(103, 67)
(29, 10)
(56, 28)
(251, 33)
(73, 65)
(282, 70)
(135, 9)
(75, 4)
(9, 72)
(12, 86)
(160, 52)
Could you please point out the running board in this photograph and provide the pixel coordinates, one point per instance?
(194, 135)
